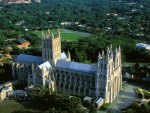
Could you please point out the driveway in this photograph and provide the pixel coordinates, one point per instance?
(124, 99)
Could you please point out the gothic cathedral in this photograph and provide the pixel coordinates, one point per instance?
(55, 70)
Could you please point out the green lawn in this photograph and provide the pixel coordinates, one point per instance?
(104, 107)
(10, 106)
(39, 33)
(70, 36)
(66, 35)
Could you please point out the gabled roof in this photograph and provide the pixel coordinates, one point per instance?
(22, 40)
(87, 68)
(143, 46)
(24, 58)
(45, 66)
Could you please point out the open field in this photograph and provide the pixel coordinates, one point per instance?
(66, 35)
(10, 106)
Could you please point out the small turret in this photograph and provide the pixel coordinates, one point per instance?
(43, 36)
(99, 56)
(53, 36)
(108, 53)
(69, 56)
(49, 32)
(58, 33)
(32, 67)
(103, 56)
(116, 51)
(111, 51)
(119, 49)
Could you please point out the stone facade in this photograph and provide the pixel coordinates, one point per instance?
(56, 71)
(51, 47)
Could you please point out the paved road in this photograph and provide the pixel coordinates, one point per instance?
(124, 99)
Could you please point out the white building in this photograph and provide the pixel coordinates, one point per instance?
(99, 102)
(143, 46)
(4, 89)
(56, 71)
(17, 93)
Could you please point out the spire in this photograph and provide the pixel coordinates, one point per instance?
(58, 33)
(119, 49)
(116, 50)
(32, 67)
(108, 52)
(49, 32)
(48, 35)
(103, 54)
(52, 36)
(99, 56)
(69, 56)
(111, 50)
(43, 36)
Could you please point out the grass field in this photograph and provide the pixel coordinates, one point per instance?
(10, 106)
(66, 35)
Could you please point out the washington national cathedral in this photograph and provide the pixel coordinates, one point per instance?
(55, 70)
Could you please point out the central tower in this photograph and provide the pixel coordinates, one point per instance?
(51, 46)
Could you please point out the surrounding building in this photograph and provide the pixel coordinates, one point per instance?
(23, 43)
(98, 102)
(17, 93)
(56, 71)
(69, 23)
(4, 89)
(2, 94)
(143, 46)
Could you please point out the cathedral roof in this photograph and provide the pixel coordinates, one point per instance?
(75, 66)
(24, 58)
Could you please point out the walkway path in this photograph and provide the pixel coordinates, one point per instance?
(124, 99)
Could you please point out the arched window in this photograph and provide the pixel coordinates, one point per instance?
(105, 66)
(101, 65)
